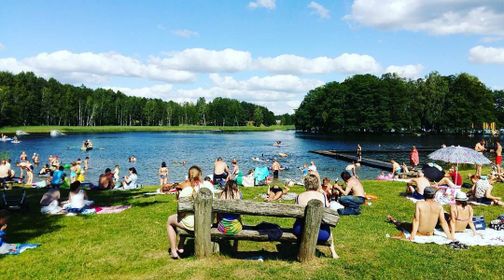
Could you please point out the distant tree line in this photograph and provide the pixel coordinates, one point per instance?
(366, 103)
(26, 99)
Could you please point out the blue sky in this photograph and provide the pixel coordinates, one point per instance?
(264, 51)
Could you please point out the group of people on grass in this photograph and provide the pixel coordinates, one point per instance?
(351, 197)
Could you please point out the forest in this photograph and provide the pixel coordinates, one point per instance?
(26, 99)
(367, 103)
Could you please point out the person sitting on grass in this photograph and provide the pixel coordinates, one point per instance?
(327, 188)
(482, 191)
(130, 180)
(188, 188)
(461, 215)
(352, 196)
(49, 204)
(428, 214)
(276, 192)
(230, 224)
(416, 186)
(312, 185)
(77, 199)
(106, 180)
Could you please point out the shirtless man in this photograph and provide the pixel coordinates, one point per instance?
(480, 148)
(221, 171)
(352, 196)
(416, 186)
(427, 214)
(498, 157)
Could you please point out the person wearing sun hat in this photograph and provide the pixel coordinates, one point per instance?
(461, 214)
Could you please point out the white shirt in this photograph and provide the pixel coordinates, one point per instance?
(4, 171)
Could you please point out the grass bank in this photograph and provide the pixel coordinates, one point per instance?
(133, 245)
(106, 129)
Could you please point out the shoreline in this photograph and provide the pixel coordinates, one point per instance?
(117, 129)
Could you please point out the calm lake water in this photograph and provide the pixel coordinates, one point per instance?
(202, 148)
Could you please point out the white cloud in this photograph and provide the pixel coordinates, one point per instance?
(319, 10)
(203, 60)
(185, 33)
(163, 91)
(491, 39)
(486, 55)
(282, 83)
(2, 46)
(349, 63)
(410, 71)
(442, 17)
(267, 4)
(87, 64)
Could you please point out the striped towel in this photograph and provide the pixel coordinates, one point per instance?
(230, 227)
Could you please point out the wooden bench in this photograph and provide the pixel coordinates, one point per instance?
(203, 206)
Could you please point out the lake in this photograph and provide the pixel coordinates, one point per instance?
(202, 148)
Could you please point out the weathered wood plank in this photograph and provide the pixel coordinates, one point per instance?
(250, 233)
(311, 228)
(202, 223)
(245, 207)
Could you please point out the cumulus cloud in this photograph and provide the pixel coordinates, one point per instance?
(486, 55)
(104, 65)
(411, 71)
(185, 33)
(267, 4)
(2, 46)
(203, 60)
(349, 63)
(319, 10)
(282, 83)
(163, 91)
(442, 17)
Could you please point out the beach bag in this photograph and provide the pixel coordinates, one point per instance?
(273, 231)
(479, 222)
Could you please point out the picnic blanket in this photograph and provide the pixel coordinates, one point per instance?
(444, 196)
(16, 248)
(487, 237)
(111, 209)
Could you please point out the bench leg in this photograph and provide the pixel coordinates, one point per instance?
(215, 247)
(235, 246)
(333, 251)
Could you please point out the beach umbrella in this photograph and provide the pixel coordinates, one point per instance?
(457, 155)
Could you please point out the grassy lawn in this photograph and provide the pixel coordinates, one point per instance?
(133, 245)
(102, 129)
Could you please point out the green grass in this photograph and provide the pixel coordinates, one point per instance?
(133, 245)
(104, 129)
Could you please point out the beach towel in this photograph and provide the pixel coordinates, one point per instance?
(16, 248)
(111, 209)
(444, 196)
(487, 237)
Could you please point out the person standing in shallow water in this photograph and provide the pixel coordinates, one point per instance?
(359, 153)
(480, 148)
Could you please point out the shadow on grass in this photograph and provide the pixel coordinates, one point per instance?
(28, 223)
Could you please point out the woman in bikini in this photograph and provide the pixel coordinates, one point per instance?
(461, 215)
(163, 174)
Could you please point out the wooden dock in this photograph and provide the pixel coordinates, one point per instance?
(350, 158)
(384, 151)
